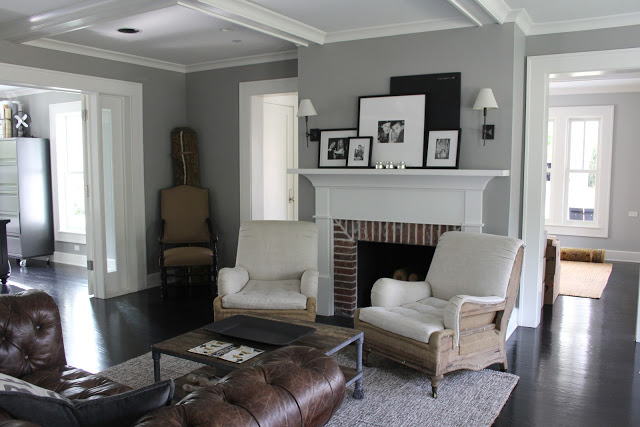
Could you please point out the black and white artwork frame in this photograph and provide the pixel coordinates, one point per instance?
(359, 152)
(329, 153)
(443, 149)
(404, 115)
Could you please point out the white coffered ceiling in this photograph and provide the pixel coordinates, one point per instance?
(185, 35)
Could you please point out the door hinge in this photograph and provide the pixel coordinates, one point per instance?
(86, 191)
(84, 113)
(90, 265)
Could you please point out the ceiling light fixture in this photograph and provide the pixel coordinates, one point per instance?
(128, 30)
(226, 29)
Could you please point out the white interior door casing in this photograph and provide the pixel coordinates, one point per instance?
(539, 68)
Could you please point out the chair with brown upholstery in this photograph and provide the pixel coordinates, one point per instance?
(187, 242)
(458, 317)
(276, 272)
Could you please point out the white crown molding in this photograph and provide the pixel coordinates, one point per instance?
(397, 29)
(106, 54)
(598, 23)
(497, 9)
(246, 60)
(581, 87)
(471, 15)
(522, 19)
(258, 18)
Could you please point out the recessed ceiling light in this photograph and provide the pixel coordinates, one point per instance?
(226, 29)
(128, 30)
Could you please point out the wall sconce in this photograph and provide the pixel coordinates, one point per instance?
(305, 109)
(484, 101)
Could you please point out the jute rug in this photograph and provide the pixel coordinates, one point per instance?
(394, 394)
(583, 279)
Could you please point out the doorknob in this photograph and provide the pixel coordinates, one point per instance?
(291, 198)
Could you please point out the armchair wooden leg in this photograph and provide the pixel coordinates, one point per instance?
(504, 366)
(435, 381)
(163, 283)
(365, 358)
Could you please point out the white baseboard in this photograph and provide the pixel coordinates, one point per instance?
(153, 280)
(513, 323)
(622, 256)
(70, 259)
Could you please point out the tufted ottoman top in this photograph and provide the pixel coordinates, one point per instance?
(293, 386)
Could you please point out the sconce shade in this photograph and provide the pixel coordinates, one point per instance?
(306, 109)
(485, 99)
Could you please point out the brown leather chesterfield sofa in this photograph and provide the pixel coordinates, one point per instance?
(292, 386)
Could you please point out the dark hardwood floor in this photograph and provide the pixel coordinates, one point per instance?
(581, 366)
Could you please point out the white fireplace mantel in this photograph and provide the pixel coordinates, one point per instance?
(420, 196)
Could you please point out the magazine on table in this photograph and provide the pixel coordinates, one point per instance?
(227, 351)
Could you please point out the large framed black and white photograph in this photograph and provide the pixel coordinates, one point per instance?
(334, 144)
(397, 125)
(359, 153)
(443, 149)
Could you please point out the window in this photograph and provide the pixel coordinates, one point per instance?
(67, 171)
(579, 170)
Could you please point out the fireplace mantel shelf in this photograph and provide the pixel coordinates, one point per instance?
(452, 179)
(403, 172)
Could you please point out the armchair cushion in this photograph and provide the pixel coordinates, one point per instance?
(394, 293)
(232, 280)
(187, 255)
(266, 294)
(276, 250)
(472, 264)
(416, 320)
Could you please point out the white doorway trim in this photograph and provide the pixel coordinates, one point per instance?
(539, 68)
(135, 210)
(247, 91)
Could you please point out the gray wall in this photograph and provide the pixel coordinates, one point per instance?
(624, 231)
(212, 111)
(164, 109)
(38, 108)
(335, 75)
(584, 41)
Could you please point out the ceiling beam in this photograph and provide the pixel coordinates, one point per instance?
(497, 9)
(75, 17)
(466, 11)
(258, 18)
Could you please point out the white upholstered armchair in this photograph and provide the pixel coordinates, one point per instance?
(276, 272)
(457, 318)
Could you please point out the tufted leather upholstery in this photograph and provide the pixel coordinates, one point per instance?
(32, 348)
(293, 386)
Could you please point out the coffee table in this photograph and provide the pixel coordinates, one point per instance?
(328, 339)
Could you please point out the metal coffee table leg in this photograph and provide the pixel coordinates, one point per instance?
(358, 392)
(156, 365)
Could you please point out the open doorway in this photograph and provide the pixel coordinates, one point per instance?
(581, 179)
(268, 147)
(113, 178)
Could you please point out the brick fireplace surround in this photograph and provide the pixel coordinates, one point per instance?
(347, 233)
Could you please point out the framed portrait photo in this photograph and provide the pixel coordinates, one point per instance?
(333, 147)
(397, 126)
(443, 149)
(359, 153)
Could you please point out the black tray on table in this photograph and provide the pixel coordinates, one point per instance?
(259, 330)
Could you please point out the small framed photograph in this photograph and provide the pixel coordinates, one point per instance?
(397, 125)
(359, 153)
(443, 149)
(334, 144)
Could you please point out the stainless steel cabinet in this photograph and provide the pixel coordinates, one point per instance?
(25, 196)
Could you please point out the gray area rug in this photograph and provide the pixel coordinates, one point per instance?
(394, 394)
